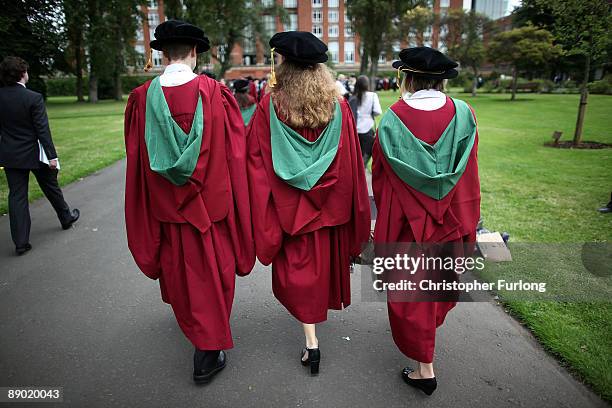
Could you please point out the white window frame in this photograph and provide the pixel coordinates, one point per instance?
(333, 30)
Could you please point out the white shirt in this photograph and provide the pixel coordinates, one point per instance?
(176, 74)
(22, 84)
(370, 107)
(425, 99)
(341, 88)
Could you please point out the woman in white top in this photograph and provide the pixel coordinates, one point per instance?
(366, 107)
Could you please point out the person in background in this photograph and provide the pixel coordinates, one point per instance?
(365, 106)
(26, 146)
(341, 86)
(245, 101)
(309, 196)
(187, 211)
(427, 191)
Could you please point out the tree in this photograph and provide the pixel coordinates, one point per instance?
(75, 18)
(28, 30)
(231, 21)
(376, 22)
(415, 22)
(122, 23)
(523, 48)
(464, 40)
(583, 30)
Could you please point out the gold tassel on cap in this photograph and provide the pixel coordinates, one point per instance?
(272, 82)
(149, 65)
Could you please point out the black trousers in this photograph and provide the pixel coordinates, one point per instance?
(366, 141)
(19, 210)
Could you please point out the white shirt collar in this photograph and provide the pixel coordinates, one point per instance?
(425, 99)
(22, 84)
(172, 68)
(425, 93)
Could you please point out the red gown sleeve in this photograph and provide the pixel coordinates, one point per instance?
(360, 223)
(266, 224)
(143, 230)
(240, 221)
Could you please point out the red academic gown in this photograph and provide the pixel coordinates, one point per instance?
(253, 90)
(308, 236)
(194, 238)
(407, 215)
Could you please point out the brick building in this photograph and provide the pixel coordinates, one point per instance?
(327, 19)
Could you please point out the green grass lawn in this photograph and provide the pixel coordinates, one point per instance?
(536, 193)
(545, 195)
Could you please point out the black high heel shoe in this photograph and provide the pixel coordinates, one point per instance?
(313, 360)
(427, 385)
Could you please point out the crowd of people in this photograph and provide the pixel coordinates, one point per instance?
(275, 170)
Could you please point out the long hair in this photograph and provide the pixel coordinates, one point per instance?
(361, 87)
(304, 96)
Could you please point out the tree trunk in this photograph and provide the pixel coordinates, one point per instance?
(475, 82)
(514, 83)
(363, 64)
(93, 88)
(584, 94)
(373, 72)
(78, 69)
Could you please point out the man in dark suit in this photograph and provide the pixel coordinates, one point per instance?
(24, 128)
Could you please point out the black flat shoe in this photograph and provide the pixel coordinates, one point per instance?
(75, 216)
(427, 385)
(22, 250)
(204, 370)
(313, 360)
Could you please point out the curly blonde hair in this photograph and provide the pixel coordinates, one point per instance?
(304, 96)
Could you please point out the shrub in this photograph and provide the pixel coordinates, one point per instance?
(603, 86)
(67, 86)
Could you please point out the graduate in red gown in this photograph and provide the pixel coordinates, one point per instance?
(245, 101)
(307, 185)
(186, 200)
(423, 195)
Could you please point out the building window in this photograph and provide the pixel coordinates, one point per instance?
(317, 16)
(293, 23)
(267, 3)
(157, 58)
(347, 20)
(153, 19)
(332, 3)
(317, 3)
(349, 52)
(152, 4)
(317, 30)
(140, 49)
(347, 30)
(332, 16)
(332, 46)
(333, 30)
(382, 58)
(269, 24)
(290, 3)
(444, 3)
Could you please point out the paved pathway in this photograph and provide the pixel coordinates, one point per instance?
(75, 312)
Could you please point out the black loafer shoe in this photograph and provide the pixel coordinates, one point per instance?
(205, 375)
(427, 385)
(22, 250)
(75, 216)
